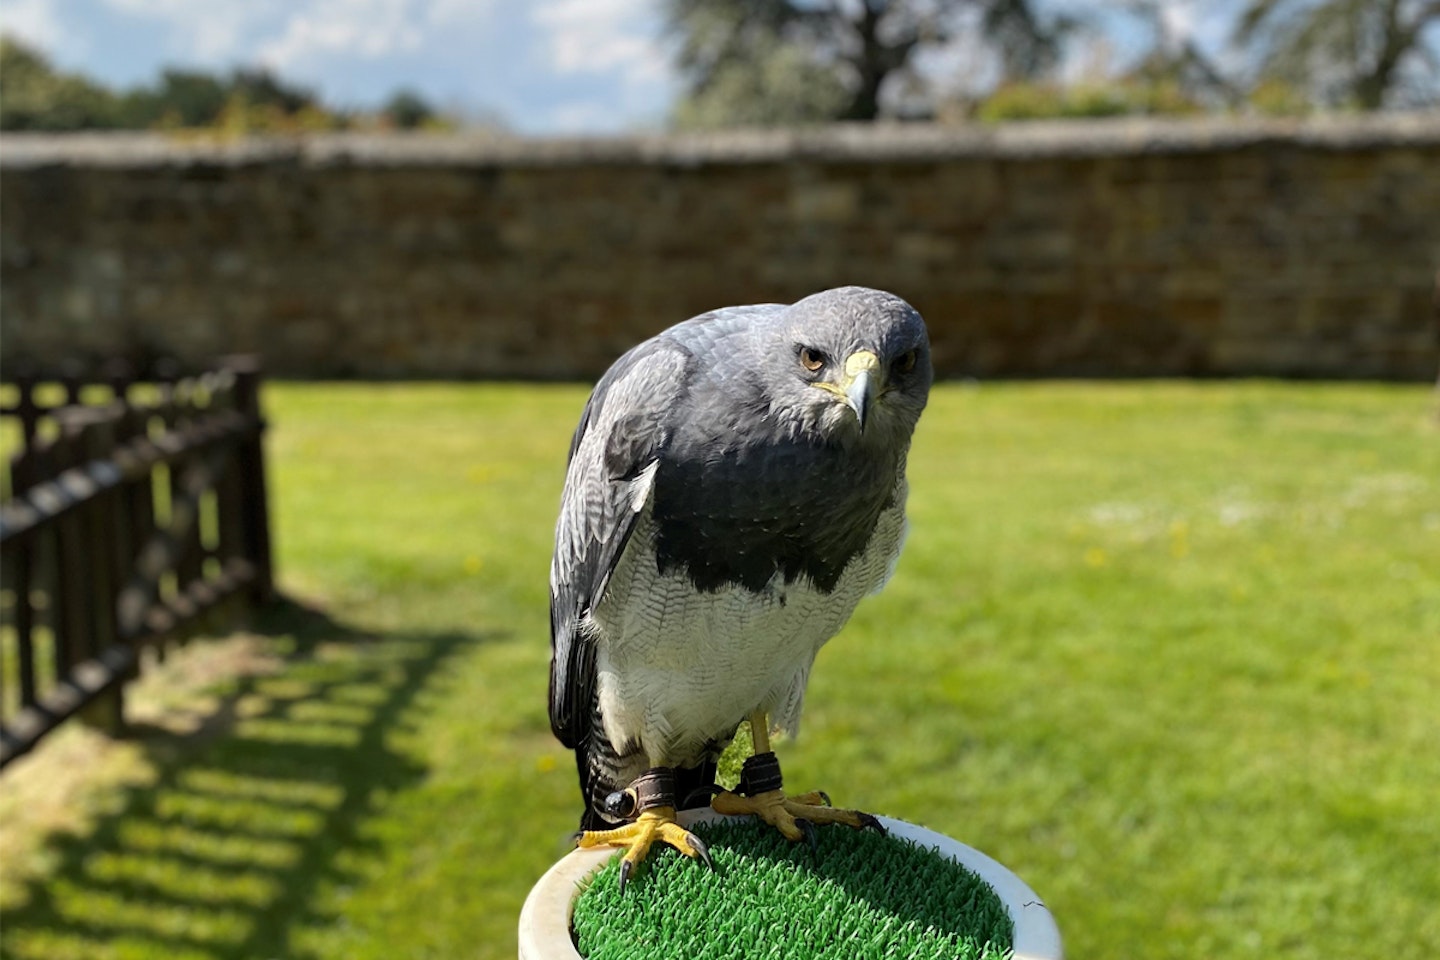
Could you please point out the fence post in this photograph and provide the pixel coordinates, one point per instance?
(250, 466)
(23, 569)
(229, 495)
(94, 429)
(189, 564)
(69, 616)
(28, 412)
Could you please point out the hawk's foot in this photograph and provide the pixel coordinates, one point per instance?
(652, 798)
(760, 794)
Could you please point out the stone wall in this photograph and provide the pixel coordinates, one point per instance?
(1092, 249)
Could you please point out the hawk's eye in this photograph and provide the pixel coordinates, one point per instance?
(904, 363)
(811, 359)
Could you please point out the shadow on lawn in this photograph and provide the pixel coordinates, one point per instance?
(252, 821)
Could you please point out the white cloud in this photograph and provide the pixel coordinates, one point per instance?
(1214, 25)
(37, 23)
(287, 34)
(1177, 22)
(457, 12)
(602, 36)
(580, 115)
(615, 43)
(203, 33)
(367, 29)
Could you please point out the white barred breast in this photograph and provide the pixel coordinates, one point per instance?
(678, 669)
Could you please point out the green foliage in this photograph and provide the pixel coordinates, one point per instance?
(780, 62)
(785, 62)
(246, 101)
(783, 86)
(34, 96)
(1034, 101)
(408, 110)
(183, 98)
(864, 897)
(1346, 53)
(1166, 650)
(37, 97)
(262, 88)
(1276, 98)
(1029, 45)
(753, 64)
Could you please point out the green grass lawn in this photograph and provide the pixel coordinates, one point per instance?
(1167, 650)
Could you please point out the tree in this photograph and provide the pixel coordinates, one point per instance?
(1030, 46)
(786, 61)
(407, 110)
(35, 96)
(258, 87)
(780, 83)
(1361, 53)
(1174, 61)
(183, 98)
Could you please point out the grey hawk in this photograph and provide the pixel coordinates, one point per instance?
(736, 485)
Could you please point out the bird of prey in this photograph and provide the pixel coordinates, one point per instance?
(736, 485)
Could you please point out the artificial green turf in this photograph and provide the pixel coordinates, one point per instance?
(863, 897)
(1166, 650)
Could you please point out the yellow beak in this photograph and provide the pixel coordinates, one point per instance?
(859, 383)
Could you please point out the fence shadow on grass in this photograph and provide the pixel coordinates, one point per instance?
(232, 851)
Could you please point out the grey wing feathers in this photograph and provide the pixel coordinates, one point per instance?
(621, 433)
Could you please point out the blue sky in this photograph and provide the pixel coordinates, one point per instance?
(552, 66)
(544, 66)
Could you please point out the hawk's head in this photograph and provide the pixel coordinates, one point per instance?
(851, 365)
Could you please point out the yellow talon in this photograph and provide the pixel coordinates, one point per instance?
(657, 823)
(795, 817)
(786, 813)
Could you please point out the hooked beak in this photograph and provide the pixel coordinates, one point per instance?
(860, 383)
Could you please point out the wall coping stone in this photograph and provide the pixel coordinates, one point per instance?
(837, 143)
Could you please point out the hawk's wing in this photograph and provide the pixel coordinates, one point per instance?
(612, 467)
